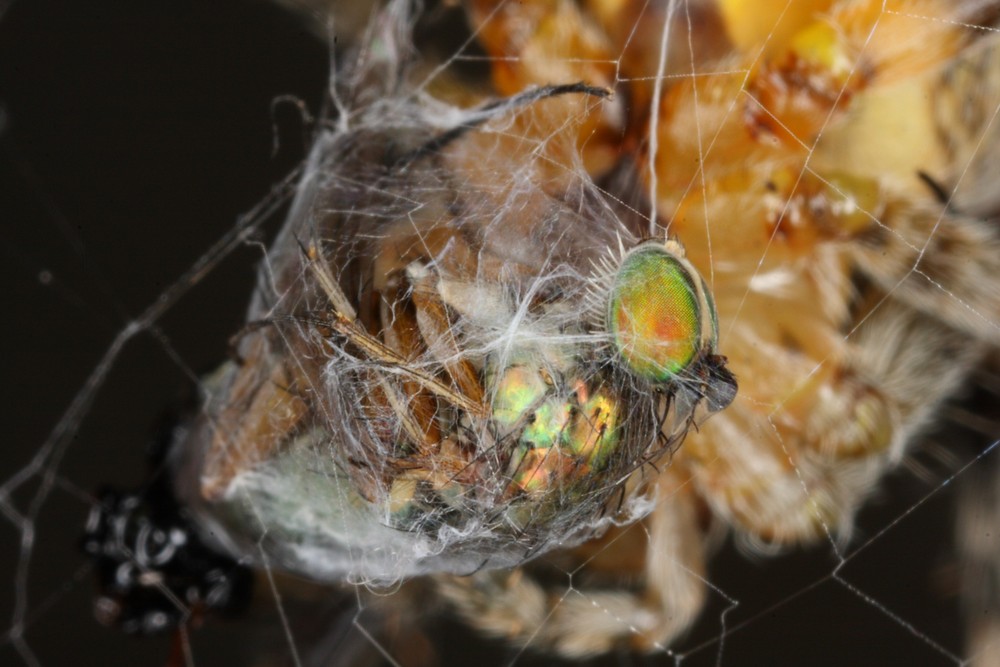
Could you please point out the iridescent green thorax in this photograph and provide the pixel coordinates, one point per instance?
(562, 433)
(655, 313)
(519, 389)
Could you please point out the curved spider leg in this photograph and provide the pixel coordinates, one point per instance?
(802, 471)
(938, 262)
(589, 616)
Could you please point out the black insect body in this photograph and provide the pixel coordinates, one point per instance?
(154, 572)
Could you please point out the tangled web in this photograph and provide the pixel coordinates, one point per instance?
(131, 276)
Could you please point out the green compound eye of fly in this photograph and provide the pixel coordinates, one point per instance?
(655, 313)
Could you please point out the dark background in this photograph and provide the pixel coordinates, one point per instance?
(132, 136)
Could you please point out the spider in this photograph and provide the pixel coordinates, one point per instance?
(852, 282)
(850, 293)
